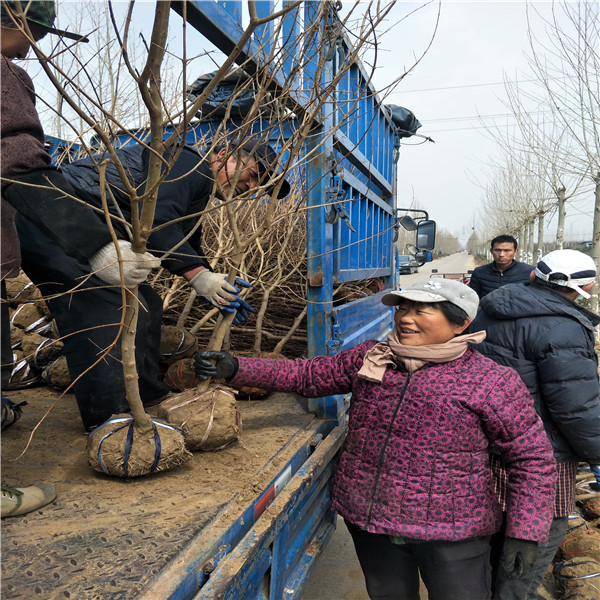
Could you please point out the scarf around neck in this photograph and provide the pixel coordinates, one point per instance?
(392, 352)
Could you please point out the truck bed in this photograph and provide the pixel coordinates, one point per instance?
(105, 537)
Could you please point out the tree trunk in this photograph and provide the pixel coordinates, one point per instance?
(596, 244)
(540, 238)
(562, 213)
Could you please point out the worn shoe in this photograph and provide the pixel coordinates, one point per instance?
(11, 412)
(18, 501)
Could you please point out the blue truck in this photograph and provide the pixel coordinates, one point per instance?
(246, 522)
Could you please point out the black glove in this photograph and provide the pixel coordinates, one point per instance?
(218, 365)
(518, 556)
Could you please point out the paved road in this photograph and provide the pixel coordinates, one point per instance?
(455, 263)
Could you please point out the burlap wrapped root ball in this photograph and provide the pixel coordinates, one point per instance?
(56, 374)
(40, 351)
(181, 375)
(122, 448)
(176, 343)
(21, 289)
(30, 317)
(580, 540)
(22, 374)
(579, 578)
(211, 420)
(591, 507)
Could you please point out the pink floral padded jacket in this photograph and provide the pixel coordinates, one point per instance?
(416, 459)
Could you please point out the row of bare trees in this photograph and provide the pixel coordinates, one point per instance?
(550, 164)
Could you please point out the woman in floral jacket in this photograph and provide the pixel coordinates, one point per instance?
(413, 479)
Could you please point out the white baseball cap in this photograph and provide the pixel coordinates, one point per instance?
(568, 268)
(437, 290)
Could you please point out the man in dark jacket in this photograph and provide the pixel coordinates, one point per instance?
(88, 314)
(502, 270)
(540, 330)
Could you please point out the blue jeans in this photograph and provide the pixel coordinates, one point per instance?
(450, 570)
(526, 587)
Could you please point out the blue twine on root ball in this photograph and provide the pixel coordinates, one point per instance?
(129, 441)
(123, 420)
(128, 444)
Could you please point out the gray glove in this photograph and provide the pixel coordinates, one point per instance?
(136, 266)
(215, 364)
(215, 288)
(518, 556)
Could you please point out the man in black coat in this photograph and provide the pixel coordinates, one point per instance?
(502, 270)
(88, 313)
(541, 331)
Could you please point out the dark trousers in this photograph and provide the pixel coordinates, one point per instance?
(526, 587)
(450, 570)
(87, 314)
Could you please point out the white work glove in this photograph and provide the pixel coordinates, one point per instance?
(136, 266)
(215, 288)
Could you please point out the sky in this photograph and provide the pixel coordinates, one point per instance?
(454, 90)
(477, 45)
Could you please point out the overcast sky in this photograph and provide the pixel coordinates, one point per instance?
(460, 78)
(476, 46)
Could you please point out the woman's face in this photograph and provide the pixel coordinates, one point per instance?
(420, 324)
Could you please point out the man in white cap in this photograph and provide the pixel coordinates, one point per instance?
(540, 330)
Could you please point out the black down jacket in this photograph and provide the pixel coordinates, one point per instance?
(185, 193)
(549, 340)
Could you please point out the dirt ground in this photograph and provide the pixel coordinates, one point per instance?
(106, 537)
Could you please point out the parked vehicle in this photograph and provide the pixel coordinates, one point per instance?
(407, 264)
(463, 277)
(208, 529)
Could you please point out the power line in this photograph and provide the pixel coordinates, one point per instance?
(475, 117)
(433, 131)
(456, 87)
